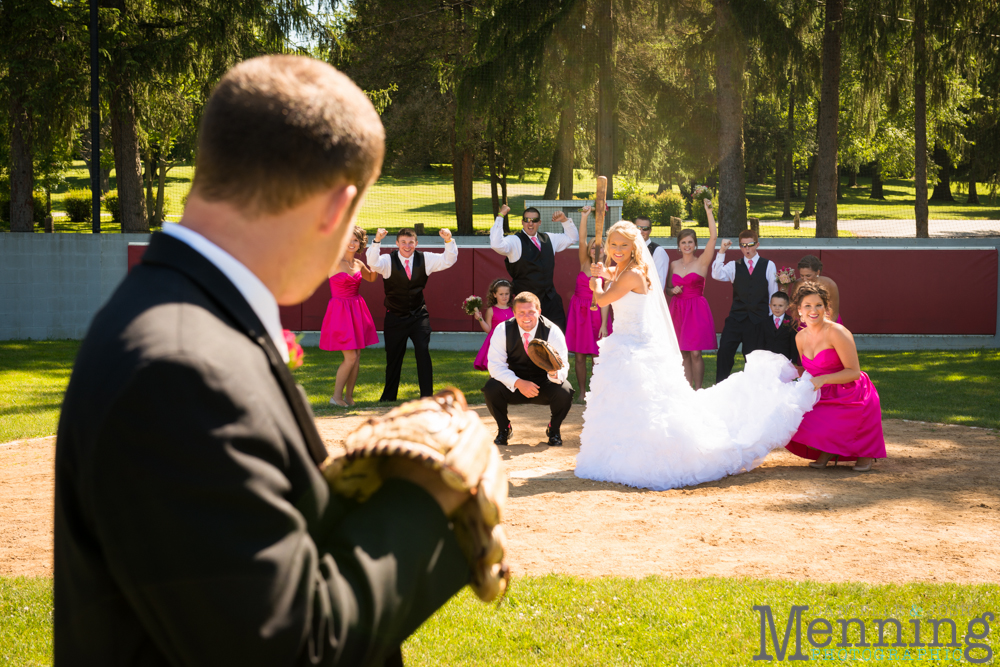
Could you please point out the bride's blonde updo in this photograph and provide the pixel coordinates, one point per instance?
(628, 229)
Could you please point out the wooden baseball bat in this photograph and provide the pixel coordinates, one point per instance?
(600, 204)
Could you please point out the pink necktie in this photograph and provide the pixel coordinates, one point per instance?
(534, 239)
(750, 266)
(777, 322)
(527, 337)
(406, 265)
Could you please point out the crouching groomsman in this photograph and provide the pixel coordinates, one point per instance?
(514, 377)
(405, 272)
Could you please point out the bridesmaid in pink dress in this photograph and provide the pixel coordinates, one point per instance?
(847, 420)
(584, 327)
(498, 310)
(348, 325)
(689, 309)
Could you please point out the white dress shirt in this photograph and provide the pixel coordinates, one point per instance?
(497, 355)
(726, 272)
(510, 246)
(433, 261)
(661, 260)
(263, 303)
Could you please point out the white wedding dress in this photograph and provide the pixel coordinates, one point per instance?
(645, 426)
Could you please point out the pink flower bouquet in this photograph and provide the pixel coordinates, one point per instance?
(295, 353)
(471, 304)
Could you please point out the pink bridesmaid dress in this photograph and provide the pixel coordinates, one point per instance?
(499, 315)
(692, 315)
(348, 324)
(583, 325)
(847, 420)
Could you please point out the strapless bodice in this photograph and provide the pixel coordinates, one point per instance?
(631, 319)
(826, 361)
(583, 286)
(693, 284)
(345, 286)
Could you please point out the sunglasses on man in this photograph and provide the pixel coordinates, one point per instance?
(748, 245)
(644, 228)
(530, 219)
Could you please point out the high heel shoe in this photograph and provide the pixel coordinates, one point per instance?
(864, 464)
(821, 462)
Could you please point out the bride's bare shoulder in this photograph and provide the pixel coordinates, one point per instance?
(635, 279)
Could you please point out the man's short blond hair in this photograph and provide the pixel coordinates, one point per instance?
(527, 297)
(279, 129)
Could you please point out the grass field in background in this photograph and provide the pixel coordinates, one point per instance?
(952, 387)
(403, 200)
(562, 620)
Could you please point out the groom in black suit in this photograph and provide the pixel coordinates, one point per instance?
(192, 522)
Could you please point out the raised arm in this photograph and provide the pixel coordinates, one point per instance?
(435, 261)
(721, 270)
(569, 236)
(377, 262)
(708, 254)
(505, 245)
(584, 245)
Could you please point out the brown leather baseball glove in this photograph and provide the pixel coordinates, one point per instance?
(544, 355)
(443, 434)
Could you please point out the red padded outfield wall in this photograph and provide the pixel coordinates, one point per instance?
(882, 291)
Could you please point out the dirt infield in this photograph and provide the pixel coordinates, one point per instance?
(930, 512)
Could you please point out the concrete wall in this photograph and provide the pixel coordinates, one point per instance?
(52, 284)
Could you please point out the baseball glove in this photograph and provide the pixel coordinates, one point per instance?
(544, 355)
(444, 435)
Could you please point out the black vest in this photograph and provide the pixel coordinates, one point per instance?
(652, 247)
(533, 271)
(750, 291)
(405, 296)
(517, 359)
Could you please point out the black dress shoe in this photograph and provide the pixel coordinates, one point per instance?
(555, 438)
(503, 435)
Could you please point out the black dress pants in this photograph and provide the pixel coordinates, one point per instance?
(559, 398)
(397, 330)
(552, 308)
(735, 332)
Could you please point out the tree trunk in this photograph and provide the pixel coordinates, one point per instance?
(921, 211)
(605, 94)
(827, 177)
(779, 168)
(148, 181)
(973, 172)
(852, 179)
(942, 191)
(877, 181)
(809, 208)
(503, 192)
(161, 183)
(729, 65)
(462, 165)
(790, 152)
(22, 170)
(567, 140)
(491, 160)
(552, 185)
(125, 140)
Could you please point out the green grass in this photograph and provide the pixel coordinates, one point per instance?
(404, 200)
(952, 387)
(25, 621)
(563, 620)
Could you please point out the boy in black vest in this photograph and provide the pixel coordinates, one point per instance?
(515, 379)
(530, 258)
(780, 338)
(754, 280)
(405, 272)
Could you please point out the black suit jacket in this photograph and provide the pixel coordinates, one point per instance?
(192, 524)
(781, 340)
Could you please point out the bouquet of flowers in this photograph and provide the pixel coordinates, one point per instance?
(471, 303)
(701, 193)
(295, 353)
(786, 278)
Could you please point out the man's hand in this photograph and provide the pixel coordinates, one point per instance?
(553, 376)
(527, 389)
(445, 234)
(559, 217)
(504, 210)
(586, 210)
(381, 234)
(725, 246)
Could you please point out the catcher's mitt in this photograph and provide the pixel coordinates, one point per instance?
(444, 435)
(544, 355)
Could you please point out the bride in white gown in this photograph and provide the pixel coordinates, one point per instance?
(643, 424)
